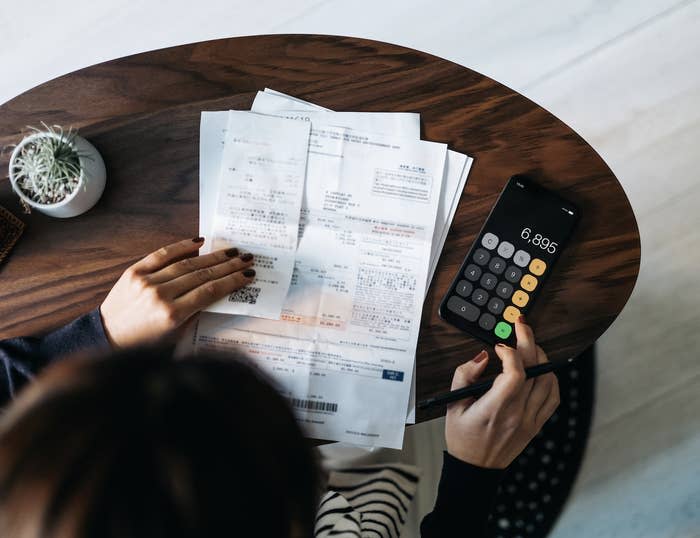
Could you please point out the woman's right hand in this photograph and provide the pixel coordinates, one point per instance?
(163, 290)
(492, 430)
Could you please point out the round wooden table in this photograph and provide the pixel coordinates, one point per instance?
(142, 112)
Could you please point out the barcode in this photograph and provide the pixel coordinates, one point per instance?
(314, 405)
(247, 295)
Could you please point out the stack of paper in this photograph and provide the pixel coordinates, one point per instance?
(346, 214)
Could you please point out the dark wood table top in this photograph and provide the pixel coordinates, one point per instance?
(142, 113)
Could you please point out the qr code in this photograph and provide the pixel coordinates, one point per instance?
(248, 295)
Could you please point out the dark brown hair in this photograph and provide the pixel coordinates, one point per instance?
(141, 445)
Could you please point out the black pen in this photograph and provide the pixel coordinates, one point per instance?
(479, 388)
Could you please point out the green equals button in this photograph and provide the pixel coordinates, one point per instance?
(503, 330)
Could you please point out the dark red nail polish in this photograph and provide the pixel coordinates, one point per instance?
(198, 240)
(232, 252)
(249, 273)
(521, 319)
(247, 257)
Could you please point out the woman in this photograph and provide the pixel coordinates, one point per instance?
(138, 444)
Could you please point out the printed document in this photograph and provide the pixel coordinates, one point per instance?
(261, 181)
(344, 347)
(455, 175)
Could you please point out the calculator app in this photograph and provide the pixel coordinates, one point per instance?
(509, 261)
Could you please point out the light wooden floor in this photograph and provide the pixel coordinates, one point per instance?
(625, 74)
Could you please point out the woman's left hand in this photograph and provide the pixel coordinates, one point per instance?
(159, 293)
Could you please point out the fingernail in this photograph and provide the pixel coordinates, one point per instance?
(249, 273)
(247, 257)
(501, 344)
(232, 252)
(481, 356)
(198, 240)
(521, 319)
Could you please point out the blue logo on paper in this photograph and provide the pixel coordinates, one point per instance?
(392, 375)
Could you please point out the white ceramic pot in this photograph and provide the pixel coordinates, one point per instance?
(89, 189)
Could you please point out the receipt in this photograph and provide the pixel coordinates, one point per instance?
(344, 347)
(397, 124)
(261, 181)
(343, 350)
(402, 124)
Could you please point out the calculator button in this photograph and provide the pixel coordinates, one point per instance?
(463, 308)
(528, 283)
(520, 298)
(487, 322)
(521, 258)
(504, 290)
(479, 297)
(489, 240)
(472, 272)
(513, 274)
(511, 314)
(464, 288)
(506, 249)
(537, 267)
(503, 330)
(497, 265)
(495, 305)
(481, 256)
(488, 281)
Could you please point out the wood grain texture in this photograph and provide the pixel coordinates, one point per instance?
(142, 113)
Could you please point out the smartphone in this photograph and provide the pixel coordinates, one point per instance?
(510, 261)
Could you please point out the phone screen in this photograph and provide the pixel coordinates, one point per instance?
(533, 219)
(513, 255)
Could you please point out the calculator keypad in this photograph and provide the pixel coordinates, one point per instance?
(496, 285)
(488, 281)
(521, 258)
(537, 267)
(513, 274)
(497, 265)
(462, 308)
(480, 297)
(481, 256)
(506, 249)
(464, 288)
(472, 272)
(487, 322)
(504, 290)
(489, 240)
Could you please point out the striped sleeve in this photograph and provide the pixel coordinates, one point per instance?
(368, 501)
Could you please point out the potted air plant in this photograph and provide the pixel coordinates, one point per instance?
(57, 173)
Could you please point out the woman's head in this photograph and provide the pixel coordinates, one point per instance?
(142, 445)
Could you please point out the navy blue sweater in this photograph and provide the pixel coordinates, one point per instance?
(22, 358)
(465, 495)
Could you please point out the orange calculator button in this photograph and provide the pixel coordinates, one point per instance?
(520, 298)
(528, 283)
(537, 267)
(511, 314)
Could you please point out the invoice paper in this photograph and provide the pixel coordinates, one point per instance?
(404, 124)
(213, 135)
(455, 174)
(344, 348)
(401, 124)
(259, 192)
